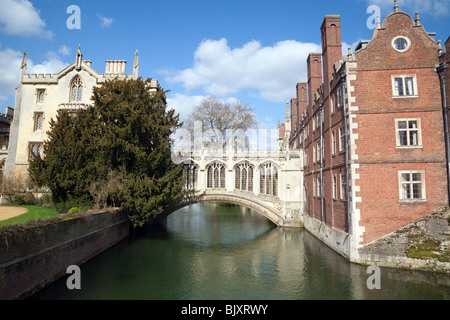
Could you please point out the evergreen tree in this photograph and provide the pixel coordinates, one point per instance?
(116, 152)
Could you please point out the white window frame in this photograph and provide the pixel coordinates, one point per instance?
(319, 153)
(314, 187)
(342, 186)
(341, 96)
(333, 142)
(319, 188)
(341, 135)
(332, 108)
(314, 154)
(401, 196)
(403, 77)
(419, 133)
(334, 186)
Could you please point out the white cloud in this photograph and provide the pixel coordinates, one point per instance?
(9, 71)
(10, 61)
(270, 71)
(432, 7)
(106, 22)
(184, 104)
(64, 50)
(53, 64)
(20, 17)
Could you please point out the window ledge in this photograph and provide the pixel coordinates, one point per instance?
(409, 147)
(400, 97)
(412, 201)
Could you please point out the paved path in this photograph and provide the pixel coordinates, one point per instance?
(11, 212)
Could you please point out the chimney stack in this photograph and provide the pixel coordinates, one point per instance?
(314, 65)
(331, 48)
(115, 67)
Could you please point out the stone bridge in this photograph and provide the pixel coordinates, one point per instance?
(271, 183)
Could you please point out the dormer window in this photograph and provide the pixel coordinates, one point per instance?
(76, 90)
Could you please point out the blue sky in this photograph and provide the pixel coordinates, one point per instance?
(251, 50)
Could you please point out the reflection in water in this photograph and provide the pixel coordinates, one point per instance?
(207, 251)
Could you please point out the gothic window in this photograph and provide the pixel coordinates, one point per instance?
(215, 176)
(76, 90)
(40, 95)
(244, 177)
(35, 148)
(190, 177)
(38, 117)
(268, 179)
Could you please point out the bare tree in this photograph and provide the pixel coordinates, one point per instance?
(220, 121)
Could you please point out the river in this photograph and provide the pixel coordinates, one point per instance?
(219, 252)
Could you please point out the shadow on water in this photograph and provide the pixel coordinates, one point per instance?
(207, 252)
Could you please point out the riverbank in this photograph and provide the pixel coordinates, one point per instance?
(37, 253)
(421, 245)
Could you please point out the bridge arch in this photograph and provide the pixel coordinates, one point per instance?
(271, 213)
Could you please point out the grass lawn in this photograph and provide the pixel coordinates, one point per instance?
(34, 213)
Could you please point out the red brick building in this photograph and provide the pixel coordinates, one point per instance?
(372, 130)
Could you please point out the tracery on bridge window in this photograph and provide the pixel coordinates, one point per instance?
(243, 174)
(190, 177)
(216, 176)
(268, 178)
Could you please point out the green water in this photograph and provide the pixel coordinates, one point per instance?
(211, 252)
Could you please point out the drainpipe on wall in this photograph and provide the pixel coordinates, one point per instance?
(441, 71)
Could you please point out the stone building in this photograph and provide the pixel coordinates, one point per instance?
(5, 124)
(40, 97)
(371, 126)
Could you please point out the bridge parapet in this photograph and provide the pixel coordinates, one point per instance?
(268, 182)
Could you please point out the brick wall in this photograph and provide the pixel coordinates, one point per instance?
(375, 156)
(379, 156)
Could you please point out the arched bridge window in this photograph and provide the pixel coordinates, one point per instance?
(268, 179)
(243, 174)
(216, 176)
(190, 177)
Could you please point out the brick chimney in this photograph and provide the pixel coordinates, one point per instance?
(331, 48)
(314, 65)
(294, 113)
(302, 99)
